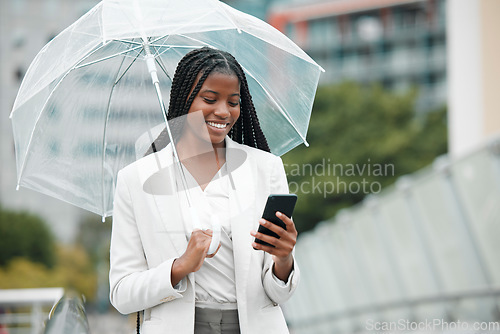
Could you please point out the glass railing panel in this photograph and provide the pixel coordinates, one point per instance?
(304, 298)
(346, 270)
(401, 237)
(379, 269)
(477, 180)
(325, 295)
(457, 269)
(446, 245)
(317, 300)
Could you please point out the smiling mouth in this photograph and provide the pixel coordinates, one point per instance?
(218, 125)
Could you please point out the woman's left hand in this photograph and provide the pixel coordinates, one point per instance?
(283, 246)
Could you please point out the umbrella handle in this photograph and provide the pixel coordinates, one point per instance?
(214, 244)
(195, 220)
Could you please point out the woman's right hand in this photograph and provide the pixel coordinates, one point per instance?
(193, 257)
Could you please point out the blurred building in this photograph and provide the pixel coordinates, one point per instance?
(398, 43)
(25, 27)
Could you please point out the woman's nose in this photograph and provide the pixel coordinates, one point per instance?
(222, 110)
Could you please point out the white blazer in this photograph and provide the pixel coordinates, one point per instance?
(149, 233)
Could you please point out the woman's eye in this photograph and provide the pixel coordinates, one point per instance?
(233, 104)
(208, 100)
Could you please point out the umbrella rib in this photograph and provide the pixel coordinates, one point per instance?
(104, 142)
(126, 70)
(128, 42)
(283, 113)
(196, 40)
(168, 47)
(151, 43)
(228, 17)
(45, 105)
(159, 61)
(139, 46)
(108, 57)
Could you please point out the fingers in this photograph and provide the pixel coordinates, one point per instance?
(266, 238)
(203, 239)
(284, 243)
(290, 226)
(268, 249)
(205, 232)
(197, 249)
(281, 249)
(290, 230)
(200, 241)
(273, 227)
(213, 254)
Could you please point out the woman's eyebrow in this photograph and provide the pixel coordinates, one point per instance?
(217, 93)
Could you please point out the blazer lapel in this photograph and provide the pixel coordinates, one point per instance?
(158, 177)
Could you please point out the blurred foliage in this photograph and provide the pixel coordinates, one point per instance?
(25, 235)
(73, 271)
(30, 257)
(361, 140)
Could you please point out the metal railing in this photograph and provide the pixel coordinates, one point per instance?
(25, 310)
(68, 317)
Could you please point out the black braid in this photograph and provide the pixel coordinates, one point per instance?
(200, 63)
(138, 325)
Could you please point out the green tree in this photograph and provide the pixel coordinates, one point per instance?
(361, 140)
(25, 235)
(73, 271)
(31, 258)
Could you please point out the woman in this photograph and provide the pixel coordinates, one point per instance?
(169, 274)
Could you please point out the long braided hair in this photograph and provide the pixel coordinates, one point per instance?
(200, 63)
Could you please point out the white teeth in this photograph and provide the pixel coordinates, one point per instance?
(217, 125)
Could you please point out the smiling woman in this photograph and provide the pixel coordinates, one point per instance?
(159, 262)
(219, 100)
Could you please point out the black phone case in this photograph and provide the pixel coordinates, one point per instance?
(282, 203)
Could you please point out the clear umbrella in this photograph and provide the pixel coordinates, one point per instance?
(88, 95)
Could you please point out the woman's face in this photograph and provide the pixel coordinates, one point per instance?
(219, 101)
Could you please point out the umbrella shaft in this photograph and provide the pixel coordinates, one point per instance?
(150, 61)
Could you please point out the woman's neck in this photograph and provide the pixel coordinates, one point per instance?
(201, 151)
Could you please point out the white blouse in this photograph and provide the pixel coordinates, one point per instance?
(215, 281)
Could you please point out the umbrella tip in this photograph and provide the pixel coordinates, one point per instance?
(306, 143)
(17, 187)
(103, 219)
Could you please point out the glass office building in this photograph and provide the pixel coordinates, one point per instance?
(398, 43)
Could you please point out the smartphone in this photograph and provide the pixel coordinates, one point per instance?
(282, 203)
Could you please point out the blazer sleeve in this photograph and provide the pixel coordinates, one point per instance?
(134, 286)
(276, 290)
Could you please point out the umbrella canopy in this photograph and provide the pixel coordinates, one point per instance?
(87, 100)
